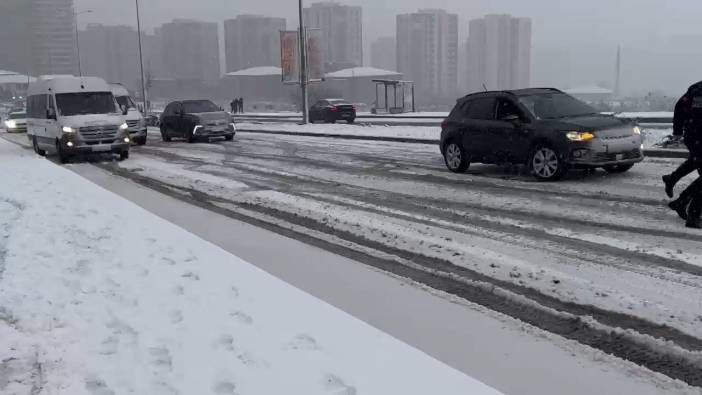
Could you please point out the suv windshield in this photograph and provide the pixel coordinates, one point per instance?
(125, 101)
(199, 106)
(85, 103)
(555, 105)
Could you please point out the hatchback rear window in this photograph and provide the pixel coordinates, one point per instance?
(483, 108)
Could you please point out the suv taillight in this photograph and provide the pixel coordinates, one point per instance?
(334, 109)
(444, 124)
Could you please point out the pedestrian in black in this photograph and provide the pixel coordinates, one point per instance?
(234, 105)
(687, 122)
(241, 105)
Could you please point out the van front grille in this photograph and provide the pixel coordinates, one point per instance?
(99, 132)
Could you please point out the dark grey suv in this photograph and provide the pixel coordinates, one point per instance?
(546, 129)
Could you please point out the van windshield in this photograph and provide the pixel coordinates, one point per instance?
(85, 103)
(125, 101)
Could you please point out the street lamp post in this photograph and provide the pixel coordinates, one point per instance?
(141, 60)
(75, 16)
(303, 65)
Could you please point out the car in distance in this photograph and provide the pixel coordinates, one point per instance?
(194, 120)
(70, 115)
(16, 122)
(134, 118)
(332, 110)
(545, 128)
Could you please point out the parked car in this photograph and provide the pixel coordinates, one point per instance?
(134, 118)
(69, 116)
(547, 129)
(332, 110)
(16, 122)
(196, 119)
(153, 119)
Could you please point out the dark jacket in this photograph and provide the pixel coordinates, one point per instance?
(687, 120)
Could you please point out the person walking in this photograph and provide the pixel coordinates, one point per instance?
(241, 105)
(687, 122)
(234, 105)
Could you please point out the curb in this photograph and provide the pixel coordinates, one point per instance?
(651, 153)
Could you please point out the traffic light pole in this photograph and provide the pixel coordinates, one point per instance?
(141, 62)
(303, 66)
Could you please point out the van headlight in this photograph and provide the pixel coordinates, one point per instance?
(637, 130)
(123, 126)
(68, 129)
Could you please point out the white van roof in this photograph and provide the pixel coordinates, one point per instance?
(119, 90)
(67, 84)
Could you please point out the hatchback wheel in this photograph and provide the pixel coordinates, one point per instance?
(456, 158)
(546, 165)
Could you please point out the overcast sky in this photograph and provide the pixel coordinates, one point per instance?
(574, 42)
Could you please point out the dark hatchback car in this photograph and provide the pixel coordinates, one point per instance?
(332, 110)
(194, 120)
(548, 130)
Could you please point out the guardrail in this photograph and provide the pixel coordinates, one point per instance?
(416, 120)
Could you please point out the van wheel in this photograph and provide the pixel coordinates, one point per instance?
(62, 157)
(546, 165)
(35, 145)
(124, 155)
(165, 135)
(456, 157)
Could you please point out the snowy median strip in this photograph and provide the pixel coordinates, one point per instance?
(99, 296)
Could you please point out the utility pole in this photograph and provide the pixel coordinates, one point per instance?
(75, 16)
(141, 61)
(303, 66)
(617, 80)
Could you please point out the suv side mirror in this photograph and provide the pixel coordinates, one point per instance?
(50, 113)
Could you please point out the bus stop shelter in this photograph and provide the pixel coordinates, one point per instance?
(387, 101)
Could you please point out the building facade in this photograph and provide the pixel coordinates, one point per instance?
(427, 51)
(383, 52)
(112, 53)
(499, 53)
(342, 29)
(14, 30)
(190, 51)
(52, 37)
(252, 41)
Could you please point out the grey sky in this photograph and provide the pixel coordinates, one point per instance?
(574, 41)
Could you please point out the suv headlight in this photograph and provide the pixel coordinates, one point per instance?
(580, 136)
(68, 129)
(11, 124)
(123, 126)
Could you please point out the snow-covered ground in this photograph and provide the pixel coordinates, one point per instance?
(652, 136)
(98, 296)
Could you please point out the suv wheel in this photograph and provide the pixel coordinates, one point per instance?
(165, 135)
(456, 158)
(546, 165)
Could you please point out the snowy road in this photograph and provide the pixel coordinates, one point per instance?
(597, 259)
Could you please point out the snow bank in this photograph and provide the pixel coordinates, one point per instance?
(98, 296)
(414, 132)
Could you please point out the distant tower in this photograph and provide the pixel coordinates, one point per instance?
(617, 80)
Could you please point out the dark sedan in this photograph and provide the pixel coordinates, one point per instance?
(196, 119)
(332, 110)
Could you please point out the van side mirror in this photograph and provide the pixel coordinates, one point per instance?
(50, 113)
(125, 109)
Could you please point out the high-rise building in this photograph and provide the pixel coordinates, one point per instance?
(427, 51)
(52, 37)
(252, 41)
(14, 31)
(383, 53)
(342, 32)
(112, 53)
(499, 53)
(190, 51)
